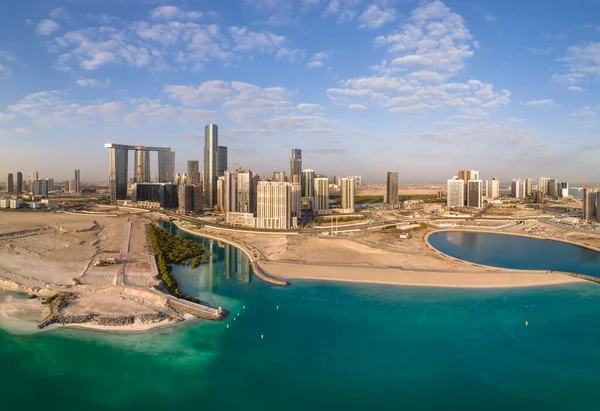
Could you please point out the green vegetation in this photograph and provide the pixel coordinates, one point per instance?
(32, 296)
(170, 249)
(389, 227)
(48, 300)
(422, 226)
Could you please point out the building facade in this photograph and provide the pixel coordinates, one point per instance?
(221, 160)
(492, 188)
(308, 183)
(19, 182)
(321, 202)
(543, 184)
(10, 184)
(391, 188)
(589, 198)
(193, 172)
(455, 195)
(274, 205)
(211, 142)
(528, 187)
(475, 193)
(518, 188)
(348, 185)
(279, 176)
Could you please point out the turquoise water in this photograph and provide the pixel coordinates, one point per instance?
(517, 252)
(348, 347)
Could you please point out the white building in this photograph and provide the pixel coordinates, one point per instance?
(475, 193)
(529, 187)
(492, 188)
(518, 188)
(543, 184)
(274, 210)
(348, 194)
(321, 203)
(455, 195)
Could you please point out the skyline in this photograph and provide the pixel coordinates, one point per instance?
(362, 87)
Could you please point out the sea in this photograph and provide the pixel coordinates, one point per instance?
(322, 346)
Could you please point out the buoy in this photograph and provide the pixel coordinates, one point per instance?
(227, 325)
(278, 307)
(244, 307)
(234, 318)
(238, 314)
(262, 337)
(526, 323)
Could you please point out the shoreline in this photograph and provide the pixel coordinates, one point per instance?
(499, 278)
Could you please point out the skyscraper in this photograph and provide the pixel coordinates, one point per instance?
(19, 182)
(279, 176)
(274, 209)
(589, 197)
(455, 196)
(543, 184)
(518, 188)
(492, 188)
(221, 160)
(552, 189)
(528, 186)
(474, 193)
(166, 166)
(308, 183)
(78, 181)
(35, 176)
(10, 188)
(563, 190)
(321, 202)
(221, 194)
(391, 188)
(467, 175)
(211, 141)
(118, 173)
(193, 172)
(246, 200)
(142, 166)
(348, 194)
(296, 166)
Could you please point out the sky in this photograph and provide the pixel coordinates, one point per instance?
(425, 88)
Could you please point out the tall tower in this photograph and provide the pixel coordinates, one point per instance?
(296, 180)
(118, 173)
(77, 188)
(455, 195)
(10, 187)
(308, 183)
(19, 182)
(348, 193)
(221, 160)
(166, 166)
(321, 194)
(193, 172)
(475, 193)
(391, 190)
(142, 166)
(211, 141)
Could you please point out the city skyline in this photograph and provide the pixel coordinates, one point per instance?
(410, 102)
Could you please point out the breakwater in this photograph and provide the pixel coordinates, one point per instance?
(197, 310)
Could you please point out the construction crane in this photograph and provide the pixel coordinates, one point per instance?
(583, 183)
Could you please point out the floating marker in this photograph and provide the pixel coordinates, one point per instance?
(526, 323)
(262, 337)
(278, 307)
(227, 325)
(244, 307)
(234, 318)
(238, 314)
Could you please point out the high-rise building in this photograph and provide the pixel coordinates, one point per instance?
(119, 156)
(10, 188)
(230, 195)
(193, 172)
(467, 175)
(357, 180)
(246, 200)
(475, 193)
(321, 201)
(211, 142)
(19, 182)
(543, 184)
(221, 160)
(296, 178)
(455, 196)
(391, 188)
(518, 188)
(563, 190)
(348, 185)
(78, 180)
(274, 210)
(189, 198)
(221, 194)
(538, 197)
(552, 189)
(308, 183)
(50, 183)
(492, 188)
(39, 188)
(528, 187)
(589, 197)
(35, 176)
(279, 176)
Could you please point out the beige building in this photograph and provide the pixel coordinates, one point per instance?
(348, 194)
(321, 203)
(274, 205)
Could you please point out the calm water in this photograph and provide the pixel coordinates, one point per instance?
(348, 347)
(517, 252)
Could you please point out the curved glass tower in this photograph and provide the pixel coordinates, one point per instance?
(211, 141)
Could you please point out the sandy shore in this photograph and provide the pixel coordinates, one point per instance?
(419, 279)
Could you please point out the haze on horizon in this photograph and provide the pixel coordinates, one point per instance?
(425, 88)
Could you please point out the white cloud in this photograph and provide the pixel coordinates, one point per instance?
(586, 111)
(209, 92)
(90, 82)
(247, 40)
(545, 102)
(490, 18)
(290, 54)
(6, 116)
(345, 10)
(317, 60)
(574, 88)
(542, 50)
(356, 107)
(13, 131)
(374, 17)
(59, 13)
(173, 13)
(46, 27)
(309, 108)
(582, 63)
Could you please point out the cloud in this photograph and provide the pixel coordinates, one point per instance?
(173, 13)
(59, 13)
(344, 10)
(13, 131)
(586, 111)
(209, 92)
(47, 27)
(582, 63)
(317, 60)
(290, 55)
(309, 108)
(356, 107)
(247, 40)
(490, 18)
(543, 50)
(545, 102)
(6, 116)
(574, 88)
(374, 17)
(89, 82)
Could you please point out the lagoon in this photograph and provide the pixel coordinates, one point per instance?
(517, 252)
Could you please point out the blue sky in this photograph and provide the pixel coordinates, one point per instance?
(362, 86)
